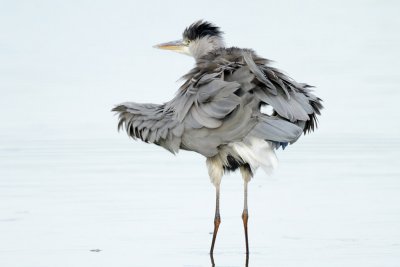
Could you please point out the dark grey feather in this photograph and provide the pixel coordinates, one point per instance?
(201, 29)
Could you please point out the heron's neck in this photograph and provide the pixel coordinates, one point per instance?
(204, 46)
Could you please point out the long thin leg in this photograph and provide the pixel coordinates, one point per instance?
(215, 171)
(217, 219)
(245, 217)
(247, 175)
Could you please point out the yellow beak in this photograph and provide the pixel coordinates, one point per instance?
(176, 46)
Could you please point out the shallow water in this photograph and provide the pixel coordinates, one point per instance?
(74, 192)
(140, 206)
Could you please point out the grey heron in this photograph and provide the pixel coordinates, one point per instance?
(217, 111)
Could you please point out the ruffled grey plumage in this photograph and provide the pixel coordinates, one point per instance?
(219, 103)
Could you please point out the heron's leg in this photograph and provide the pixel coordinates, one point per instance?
(215, 171)
(212, 260)
(217, 220)
(247, 174)
(245, 217)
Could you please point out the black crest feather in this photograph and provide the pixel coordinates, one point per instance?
(201, 29)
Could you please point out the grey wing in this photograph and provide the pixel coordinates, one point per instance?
(223, 107)
(151, 123)
(216, 110)
(204, 108)
(290, 100)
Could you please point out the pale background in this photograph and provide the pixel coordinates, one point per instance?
(69, 183)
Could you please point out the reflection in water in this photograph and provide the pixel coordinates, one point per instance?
(213, 262)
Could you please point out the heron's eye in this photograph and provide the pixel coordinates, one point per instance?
(186, 42)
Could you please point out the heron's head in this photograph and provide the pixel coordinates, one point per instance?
(197, 40)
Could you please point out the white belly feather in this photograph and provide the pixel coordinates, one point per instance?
(257, 152)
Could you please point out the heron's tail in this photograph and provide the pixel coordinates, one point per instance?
(151, 123)
(316, 107)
